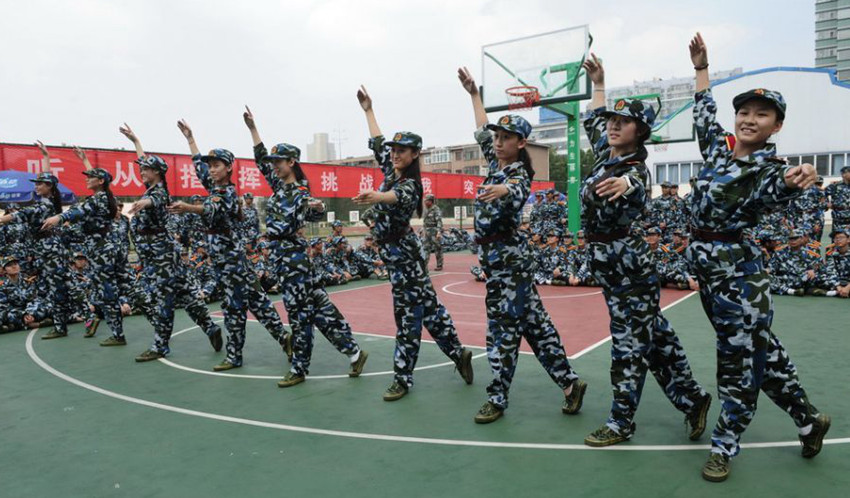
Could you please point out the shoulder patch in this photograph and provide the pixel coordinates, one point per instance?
(215, 199)
(514, 181)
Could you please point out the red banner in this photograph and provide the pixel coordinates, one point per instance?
(325, 180)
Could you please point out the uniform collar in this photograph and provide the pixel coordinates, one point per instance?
(765, 154)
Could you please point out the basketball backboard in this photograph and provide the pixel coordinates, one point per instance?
(550, 62)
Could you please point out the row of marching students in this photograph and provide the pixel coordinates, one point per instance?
(741, 179)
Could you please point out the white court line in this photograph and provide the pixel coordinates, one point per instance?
(381, 437)
(277, 377)
(603, 341)
(446, 287)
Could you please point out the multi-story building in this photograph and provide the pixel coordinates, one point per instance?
(321, 150)
(832, 36)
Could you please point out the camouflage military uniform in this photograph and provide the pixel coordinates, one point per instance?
(838, 266)
(839, 197)
(514, 308)
(788, 269)
(730, 195)
(242, 291)
(165, 280)
(641, 337)
(306, 301)
(50, 257)
(432, 221)
(415, 302)
(250, 224)
(19, 298)
(107, 261)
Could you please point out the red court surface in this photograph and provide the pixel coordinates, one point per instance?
(579, 313)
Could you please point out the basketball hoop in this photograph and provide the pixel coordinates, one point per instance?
(522, 98)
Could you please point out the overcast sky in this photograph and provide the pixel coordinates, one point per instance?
(73, 71)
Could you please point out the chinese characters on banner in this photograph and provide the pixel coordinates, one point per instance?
(325, 180)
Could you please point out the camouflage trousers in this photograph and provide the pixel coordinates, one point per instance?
(242, 292)
(735, 296)
(515, 312)
(641, 338)
(415, 304)
(164, 286)
(54, 273)
(433, 245)
(108, 274)
(308, 306)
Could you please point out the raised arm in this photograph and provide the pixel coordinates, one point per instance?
(45, 156)
(594, 69)
(366, 103)
(468, 83)
(81, 154)
(127, 132)
(248, 116)
(699, 56)
(190, 138)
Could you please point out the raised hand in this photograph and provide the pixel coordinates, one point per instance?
(364, 99)
(185, 129)
(248, 116)
(594, 69)
(802, 176)
(42, 148)
(80, 153)
(699, 53)
(128, 132)
(467, 81)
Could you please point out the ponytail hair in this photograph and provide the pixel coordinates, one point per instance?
(113, 206)
(525, 158)
(299, 173)
(413, 171)
(56, 199)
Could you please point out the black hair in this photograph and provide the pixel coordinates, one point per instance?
(413, 171)
(113, 206)
(299, 173)
(525, 158)
(56, 198)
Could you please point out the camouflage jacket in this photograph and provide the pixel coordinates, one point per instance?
(838, 265)
(93, 212)
(156, 216)
(600, 214)
(432, 218)
(794, 263)
(732, 194)
(839, 196)
(391, 219)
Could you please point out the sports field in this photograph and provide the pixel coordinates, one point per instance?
(80, 420)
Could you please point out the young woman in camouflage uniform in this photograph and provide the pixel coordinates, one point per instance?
(514, 309)
(220, 213)
(415, 301)
(613, 195)
(306, 301)
(95, 214)
(165, 282)
(741, 180)
(51, 258)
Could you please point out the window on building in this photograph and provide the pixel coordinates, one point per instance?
(844, 75)
(838, 162)
(458, 155)
(842, 34)
(660, 173)
(825, 52)
(822, 164)
(807, 160)
(673, 173)
(438, 156)
(470, 154)
(825, 34)
(843, 14)
(793, 160)
(826, 16)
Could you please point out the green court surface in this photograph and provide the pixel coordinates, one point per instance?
(80, 420)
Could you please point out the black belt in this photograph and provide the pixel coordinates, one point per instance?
(225, 231)
(291, 238)
(496, 237)
(607, 237)
(43, 235)
(395, 236)
(708, 236)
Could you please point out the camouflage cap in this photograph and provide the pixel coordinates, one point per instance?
(653, 231)
(220, 154)
(315, 241)
(248, 195)
(153, 162)
(99, 173)
(369, 237)
(430, 197)
(845, 169)
(512, 123)
(567, 234)
(773, 97)
(44, 178)
(80, 255)
(262, 244)
(844, 230)
(666, 184)
(795, 233)
(406, 139)
(284, 151)
(336, 223)
(819, 180)
(195, 198)
(8, 260)
(580, 234)
(633, 108)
